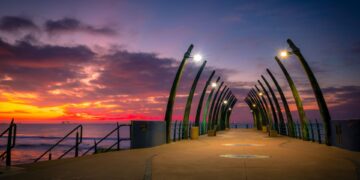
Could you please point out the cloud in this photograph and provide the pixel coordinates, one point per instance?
(16, 23)
(343, 101)
(142, 73)
(71, 25)
(33, 67)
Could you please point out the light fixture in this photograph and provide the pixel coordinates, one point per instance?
(225, 102)
(213, 85)
(284, 53)
(261, 94)
(197, 57)
(253, 105)
(230, 109)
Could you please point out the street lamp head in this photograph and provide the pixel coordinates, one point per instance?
(284, 53)
(197, 57)
(225, 102)
(213, 85)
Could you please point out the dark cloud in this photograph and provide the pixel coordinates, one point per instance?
(34, 67)
(70, 25)
(141, 73)
(16, 23)
(345, 101)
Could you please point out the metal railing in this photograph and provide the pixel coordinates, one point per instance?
(118, 139)
(79, 131)
(11, 139)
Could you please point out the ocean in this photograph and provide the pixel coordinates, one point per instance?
(34, 139)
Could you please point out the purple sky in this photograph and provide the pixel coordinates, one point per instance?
(123, 55)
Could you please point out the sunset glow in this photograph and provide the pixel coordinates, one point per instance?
(118, 65)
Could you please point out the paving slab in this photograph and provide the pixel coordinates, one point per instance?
(232, 154)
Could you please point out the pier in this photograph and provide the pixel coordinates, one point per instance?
(232, 154)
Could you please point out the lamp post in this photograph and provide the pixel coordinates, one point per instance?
(190, 97)
(325, 115)
(207, 106)
(219, 113)
(265, 118)
(218, 104)
(261, 94)
(199, 108)
(278, 109)
(257, 110)
(291, 128)
(226, 107)
(229, 111)
(171, 99)
(247, 101)
(271, 106)
(303, 119)
(212, 106)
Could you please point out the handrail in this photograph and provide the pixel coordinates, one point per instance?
(78, 141)
(11, 130)
(117, 129)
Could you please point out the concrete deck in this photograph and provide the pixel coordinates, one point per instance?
(288, 158)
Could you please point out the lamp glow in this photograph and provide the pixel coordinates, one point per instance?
(225, 102)
(197, 57)
(213, 85)
(284, 53)
(230, 109)
(261, 94)
(253, 105)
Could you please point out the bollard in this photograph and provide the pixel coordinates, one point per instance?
(49, 156)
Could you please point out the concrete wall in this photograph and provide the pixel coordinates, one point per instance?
(346, 134)
(147, 133)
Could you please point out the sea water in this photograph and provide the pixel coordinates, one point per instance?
(32, 140)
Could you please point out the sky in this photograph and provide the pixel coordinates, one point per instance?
(105, 61)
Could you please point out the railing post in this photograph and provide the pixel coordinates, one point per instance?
(77, 145)
(312, 132)
(49, 156)
(118, 137)
(318, 131)
(189, 130)
(174, 138)
(8, 146)
(180, 130)
(95, 147)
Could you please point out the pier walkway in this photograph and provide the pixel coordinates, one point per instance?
(233, 154)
